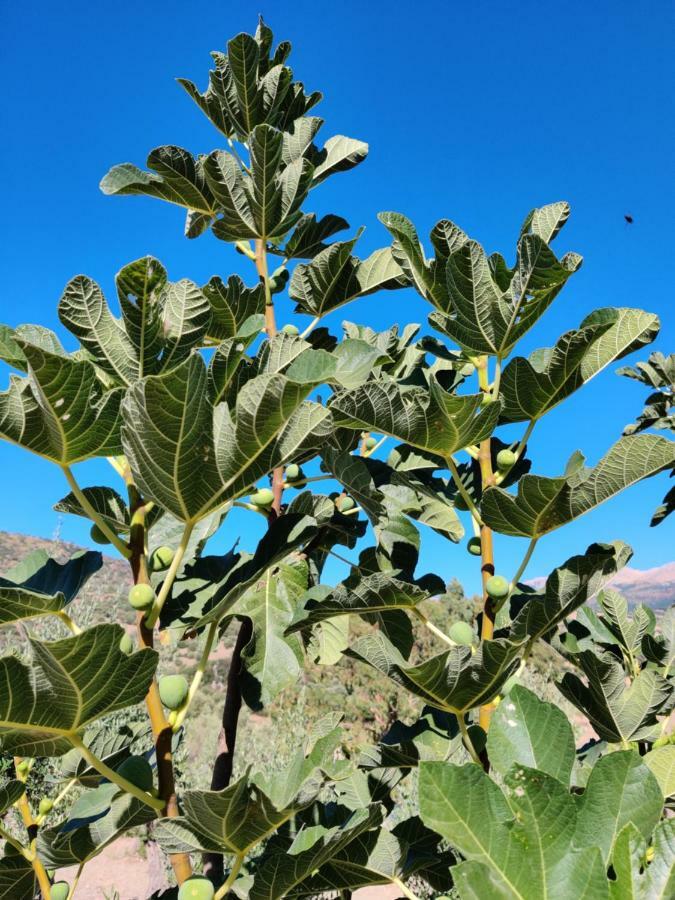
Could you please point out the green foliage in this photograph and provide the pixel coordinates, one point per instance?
(138, 771)
(448, 772)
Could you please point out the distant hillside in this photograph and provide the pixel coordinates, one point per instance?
(653, 587)
(101, 598)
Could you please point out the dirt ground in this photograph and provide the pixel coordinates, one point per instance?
(129, 870)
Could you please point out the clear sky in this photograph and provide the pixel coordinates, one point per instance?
(473, 111)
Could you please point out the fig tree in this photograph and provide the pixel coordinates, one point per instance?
(138, 771)
(173, 689)
(460, 503)
(291, 329)
(196, 888)
(473, 546)
(497, 587)
(45, 806)
(161, 559)
(126, 644)
(59, 890)
(70, 763)
(141, 596)
(478, 737)
(506, 459)
(461, 633)
(97, 535)
(264, 497)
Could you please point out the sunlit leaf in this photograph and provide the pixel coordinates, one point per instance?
(544, 504)
(70, 684)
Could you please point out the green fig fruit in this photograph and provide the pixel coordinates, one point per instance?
(473, 546)
(138, 771)
(173, 689)
(497, 587)
(141, 596)
(370, 443)
(97, 535)
(126, 644)
(264, 497)
(293, 472)
(345, 503)
(23, 768)
(59, 890)
(291, 329)
(461, 633)
(45, 806)
(196, 888)
(161, 559)
(506, 459)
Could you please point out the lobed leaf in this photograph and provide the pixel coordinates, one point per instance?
(544, 504)
(71, 683)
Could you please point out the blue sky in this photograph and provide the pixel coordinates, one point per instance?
(475, 112)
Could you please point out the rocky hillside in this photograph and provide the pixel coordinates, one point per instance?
(103, 595)
(653, 587)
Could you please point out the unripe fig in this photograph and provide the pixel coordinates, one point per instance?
(59, 890)
(293, 472)
(506, 459)
(196, 888)
(97, 535)
(345, 503)
(278, 279)
(291, 329)
(461, 633)
(370, 443)
(23, 768)
(141, 596)
(126, 644)
(46, 805)
(161, 559)
(138, 771)
(473, 546)
(497, 587)
(664, 740)
(263, 497)
(173, 689)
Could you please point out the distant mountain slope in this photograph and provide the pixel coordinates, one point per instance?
(103, 595)
(653, 587)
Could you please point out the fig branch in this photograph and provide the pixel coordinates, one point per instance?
(32, 829)
(161, 729)
(227, 739)
(486, 544)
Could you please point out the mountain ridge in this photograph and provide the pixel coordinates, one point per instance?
(654, 587)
